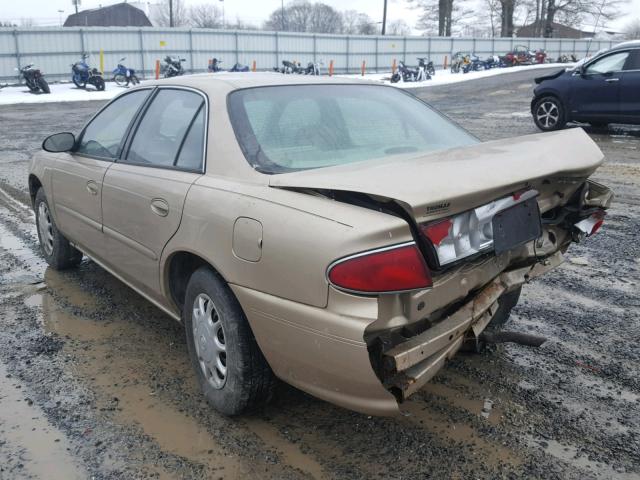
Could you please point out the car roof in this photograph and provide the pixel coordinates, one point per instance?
(224, 82)
(630, 43)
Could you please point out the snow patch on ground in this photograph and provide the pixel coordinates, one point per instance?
(445, 77)
(68, 92)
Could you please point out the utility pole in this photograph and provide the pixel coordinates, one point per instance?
(171, 13)
(282, 15)
(223, 22)
(384, 18)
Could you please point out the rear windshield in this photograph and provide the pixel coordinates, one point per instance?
(298, 127)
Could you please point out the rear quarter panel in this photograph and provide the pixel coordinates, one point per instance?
(301, 236)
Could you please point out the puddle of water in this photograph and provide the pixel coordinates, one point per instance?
(493, 453)
(117, 374)
(288, 452)
(25, 427)
(569, 454)
(462, 400)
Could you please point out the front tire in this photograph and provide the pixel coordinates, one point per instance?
(231, 370)
(98, 82)
(56, 249)
(120, 80)
(548, 114)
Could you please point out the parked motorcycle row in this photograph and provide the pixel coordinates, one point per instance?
(289, 68)
(424, 71)
(466, 62)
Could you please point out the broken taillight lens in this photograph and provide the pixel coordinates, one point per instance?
(470, 232)
(392, 269)
(592, 223)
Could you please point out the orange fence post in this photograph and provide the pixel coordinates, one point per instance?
(157, 69)
(363, 67)
(445, 62)
(253, 67)
(331, 68)
(210, 63)
(393, 66)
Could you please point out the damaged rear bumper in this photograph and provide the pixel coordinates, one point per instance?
(409, 365)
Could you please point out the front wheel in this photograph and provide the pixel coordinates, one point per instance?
(44, 86)
(78, 82)
(548, 114)
(395, 78)
(231, 370)
(134, 80)
(56, 249)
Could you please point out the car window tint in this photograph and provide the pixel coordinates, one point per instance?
(610, 63)
(103, 136)
(191, 153)
(633, 61)
(163, 127)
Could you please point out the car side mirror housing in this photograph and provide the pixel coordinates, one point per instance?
(59, 142)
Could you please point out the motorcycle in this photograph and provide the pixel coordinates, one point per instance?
(238, 67)
(123, 75)
(82, 74)
(407, 74)
(428, 66)
(313, 68)
(214, 65)
(172, 67)
(475, 64)
(289, 67)
(34, 78)
(459, 60)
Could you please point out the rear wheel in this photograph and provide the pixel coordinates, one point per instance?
(57, 250)
(78, 82)
(44, 86)
(98, 82)
(120, 79)
(231, 370)
(548, 114)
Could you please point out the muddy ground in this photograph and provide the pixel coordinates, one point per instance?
(95, 382)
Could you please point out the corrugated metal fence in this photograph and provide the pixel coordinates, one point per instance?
(55, 49)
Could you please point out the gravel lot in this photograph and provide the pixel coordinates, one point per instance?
(95, 382)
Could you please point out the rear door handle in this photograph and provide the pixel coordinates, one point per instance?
(609, 80)
(92, 187)
(160, 207)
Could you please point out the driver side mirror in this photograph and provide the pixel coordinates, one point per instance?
(59, 142)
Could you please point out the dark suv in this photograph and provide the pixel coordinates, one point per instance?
(601, 90)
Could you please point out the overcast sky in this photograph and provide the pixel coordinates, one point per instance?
(252, 11)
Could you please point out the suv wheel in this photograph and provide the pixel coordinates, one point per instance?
(56, 249)
(548, 114)
(231, 370)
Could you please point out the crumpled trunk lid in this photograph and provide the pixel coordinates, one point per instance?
(447, 182)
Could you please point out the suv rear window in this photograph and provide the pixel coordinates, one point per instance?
(297, 127)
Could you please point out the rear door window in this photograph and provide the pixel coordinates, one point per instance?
(164, 131)
(633, 60)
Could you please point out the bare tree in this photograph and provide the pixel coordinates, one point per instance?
(162, 15)
(493, 9)
(7, 24)
(27, 22)
(304, 16)
(398, 27)
(444, 13)
(205, 16)
(354, 23)
(632, 29)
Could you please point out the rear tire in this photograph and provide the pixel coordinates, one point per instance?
(98, 82)
(56, 249)
(44, 86)
(231, 370)
(548, 114)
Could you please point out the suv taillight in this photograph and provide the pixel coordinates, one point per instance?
(391, 269)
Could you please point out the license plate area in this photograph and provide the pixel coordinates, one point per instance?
(516, 226)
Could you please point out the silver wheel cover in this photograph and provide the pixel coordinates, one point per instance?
(45, 228)
(209, 340)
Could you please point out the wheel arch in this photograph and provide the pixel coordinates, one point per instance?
(178, 268)
(34, 185)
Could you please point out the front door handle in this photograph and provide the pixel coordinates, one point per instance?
(160, 207)
(92, 187)
(609, 80)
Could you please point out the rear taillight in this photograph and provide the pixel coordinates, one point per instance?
(391, 269)
(592, 224)
(470, 232)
